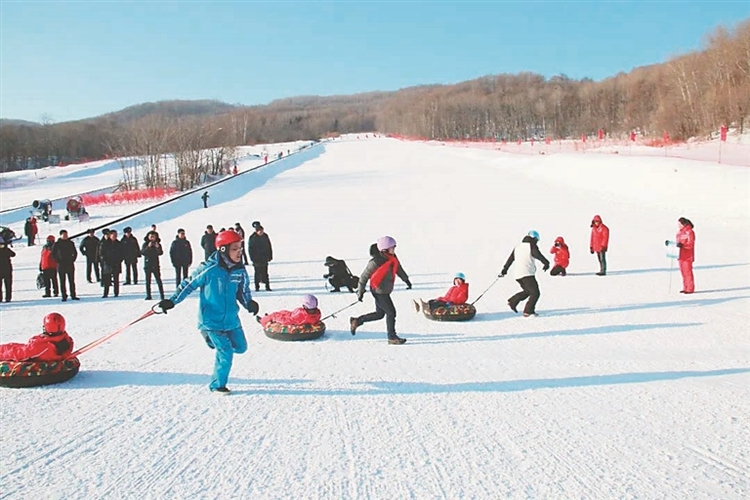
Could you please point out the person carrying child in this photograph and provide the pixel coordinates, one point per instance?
(562, 257)
(456, 295)
(307, 314)
(54, 344)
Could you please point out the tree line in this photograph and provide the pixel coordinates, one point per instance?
(689, 95)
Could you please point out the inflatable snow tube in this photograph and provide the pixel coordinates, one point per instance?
(34, 373)
(456, 312)
(277, 331)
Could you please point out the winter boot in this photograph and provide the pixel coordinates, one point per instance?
(353, 324)
(222, 391)
(396, 340)
(416, 305)
(513, 306)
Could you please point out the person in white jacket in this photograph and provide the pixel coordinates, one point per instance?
(523, 255)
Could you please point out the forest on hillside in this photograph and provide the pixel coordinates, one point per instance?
(690, 95)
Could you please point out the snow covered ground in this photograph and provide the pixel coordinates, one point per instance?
(621, 388)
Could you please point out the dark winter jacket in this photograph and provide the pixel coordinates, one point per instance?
(181, 253)
(208, 244)
(131, 251)
(259, 248)
(90, 247)
(64, 252)
(111, 254)
(525, 253)
(381, 271)
(151, 251)
(6, 268)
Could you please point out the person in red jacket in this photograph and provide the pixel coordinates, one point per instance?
(599, 243)
(54, 344)
(686, 243)
(307, 314)
(456, 295)
(48, 268)
(562, 257)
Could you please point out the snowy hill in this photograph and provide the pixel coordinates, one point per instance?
(621, 388)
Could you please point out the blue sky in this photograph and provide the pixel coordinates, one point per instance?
(68, 60)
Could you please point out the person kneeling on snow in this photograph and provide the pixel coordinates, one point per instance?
(307, 314)
(223, 281)
(456, 295)
(54, 344)
(562, 257)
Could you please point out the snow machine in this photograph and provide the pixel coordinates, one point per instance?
(75, 209)
(278, 331)
(42, 209)
(34, 373)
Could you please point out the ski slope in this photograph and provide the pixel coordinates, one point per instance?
(621, 388)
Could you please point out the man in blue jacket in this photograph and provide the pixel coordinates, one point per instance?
(223, 282)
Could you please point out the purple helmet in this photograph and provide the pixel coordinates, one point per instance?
(309, 301)
(385, 242)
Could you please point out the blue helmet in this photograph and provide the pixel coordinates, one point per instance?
(533, 234)
(460, 276)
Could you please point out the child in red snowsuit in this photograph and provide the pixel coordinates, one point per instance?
(54, 344)
(686, 243)
(562, 257)
(456, 295)
(307, 314)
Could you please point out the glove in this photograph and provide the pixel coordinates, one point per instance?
(546, 266)
(408, 285)
(502, 274)
(604, 249)
(326, 275)
(679, 245)
(166, 305)
(253, 307)
(591, 250)
(666, 243)
(360, 295)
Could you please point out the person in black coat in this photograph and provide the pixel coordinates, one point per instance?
(241, 231)
(111, 254)
(208, 242)
(65, 253)
(6, 270)
(181, 254)
(90, 248)
(261, 253)
(151, 251)
(131, 253)
(105, 232)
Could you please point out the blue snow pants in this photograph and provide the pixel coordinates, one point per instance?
(227, 343)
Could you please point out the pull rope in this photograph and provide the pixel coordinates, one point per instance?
(486, 290)
(101, 340)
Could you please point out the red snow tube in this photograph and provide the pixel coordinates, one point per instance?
(277, 331)
(457, 312)
(34, 373)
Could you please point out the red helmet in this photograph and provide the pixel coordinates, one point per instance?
(54, 324)
(226, 238)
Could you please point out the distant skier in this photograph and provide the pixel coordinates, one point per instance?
(205, 198)
(562, 257)
(223, 282)
(523, 255)
(599, 243)
(381, 272)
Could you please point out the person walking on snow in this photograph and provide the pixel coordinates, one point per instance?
(223, 282)
(562, 257)
(523, 255)
(205, 198)
(381, 272)
(685, 241)
(599, 243)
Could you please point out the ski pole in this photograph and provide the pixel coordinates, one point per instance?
(488, 288)
(333, 314)
(671, 266)
(101, 340)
